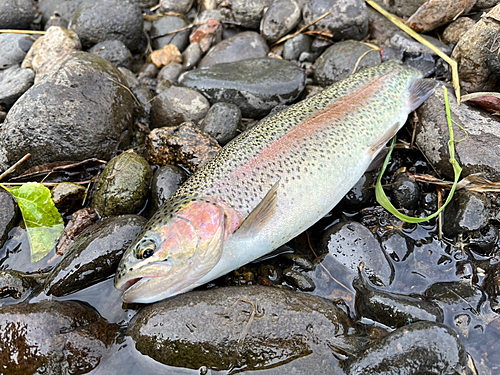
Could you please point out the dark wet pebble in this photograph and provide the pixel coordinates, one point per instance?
(466, 212)
(16, 14)
(115, 51)
(403, 41)
(123, 186)
(177, 6)
(185, 144)
(429, 201)
(360, 194)
(68, 195)
(89, 116)
(422, 61)
(299, 262)
(14, 48)
(248, 14)
(253, 327)
(339, 61)
(91, 22)
(161, 35)
(349, 18)
(16, 287)
(14, 82)
(378, 217)
(485, 240)
(9, 214)
(405, 192)
(94, 256)
(191, 56)
(476, 154)
(176, 105)
(255, 85)
(456, 293)
(392, 309)
(166, 181)
(245, 45)
(422, 347)
(171, 72)
(349, 244)
(62, 338)
(298, 280)
(397, 245)
(491, 285)
(295, 46)
(279, 19)
(222, 121)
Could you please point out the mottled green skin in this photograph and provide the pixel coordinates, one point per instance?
(315, 150)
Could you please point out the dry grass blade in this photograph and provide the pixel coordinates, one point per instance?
(10, 31)
(453, 64)
(285, 38)
(474, 182)
(11, 169)
(476, 95)
(361, 58)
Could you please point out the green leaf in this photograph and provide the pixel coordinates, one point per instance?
(44, 223)
(379, 191)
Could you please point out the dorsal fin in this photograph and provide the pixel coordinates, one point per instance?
(261, 214)
(420, 90)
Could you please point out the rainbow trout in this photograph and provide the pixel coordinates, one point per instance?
(270, 183)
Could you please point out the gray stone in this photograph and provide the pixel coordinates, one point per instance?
(9, 215)
(456, 29)
(79, 110)
(401, 8)
(170, 72)
(338, 61)
(293, 48)
(479, 153)
(349, 18)
(222, 121)
(14, 82)
(166, 181)
(161, 29)
(246, 45)
(248, 13)
(115, 51)
(408, 44)
(255, 85)
(485, 4)
(16, 14)
(14, 48)
(65, 8)
(280, 18)
(492, 56)
(177, 6)
(405, 192)
(468, 211)
(191, 56)
(91, 22)
(360, 194)
(176, 105)
(209, 14)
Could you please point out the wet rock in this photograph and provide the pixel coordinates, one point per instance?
(398, 246)
(191, 56)
(185, 144)
(53, 338)
(16, 287)
(166, 181)
(437, 13)
(252, 327)
(406, 43)
(492, 57)
(466, 212)
(94, 256)
(405, 192)
(68, 195)
(294, 47)
(339, 61)
(298, 280)
(89, 116)
(16, 14)
(471, 54)
(491, 285)
(401, 8)
(255, 85)
(91, 22)
(167, 55)
(9, 214)
(421, 347)
(476, 154)
(348, 245)
(379, 218)
(456, 29)
(360, 194)
(485, 240)
(50, 49)
(14, 48)
(161, 33)
(222, 121)
(80, 220)
(349, 18)
(177, 6)
(429, 202)
(170, 72)
(248, 14)
(176, 105)
(65, 9)
(14, 82)
(115, 51)
(422, 61)
(123, 186)
(392, 309)
(246, 45)
(280, 18)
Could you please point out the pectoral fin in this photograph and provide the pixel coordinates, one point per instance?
(261, 215)
(420, 90)
(381, 142)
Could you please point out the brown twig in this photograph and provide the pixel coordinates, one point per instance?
(11, 169)
(285, 38)
(361, 57)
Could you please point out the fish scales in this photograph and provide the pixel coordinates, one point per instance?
(309, 155)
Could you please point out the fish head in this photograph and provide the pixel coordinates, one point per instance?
(181, 243)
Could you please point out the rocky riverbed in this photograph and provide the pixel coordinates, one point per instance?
(119, 101)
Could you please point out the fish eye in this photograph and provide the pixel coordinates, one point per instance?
(145, 249)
